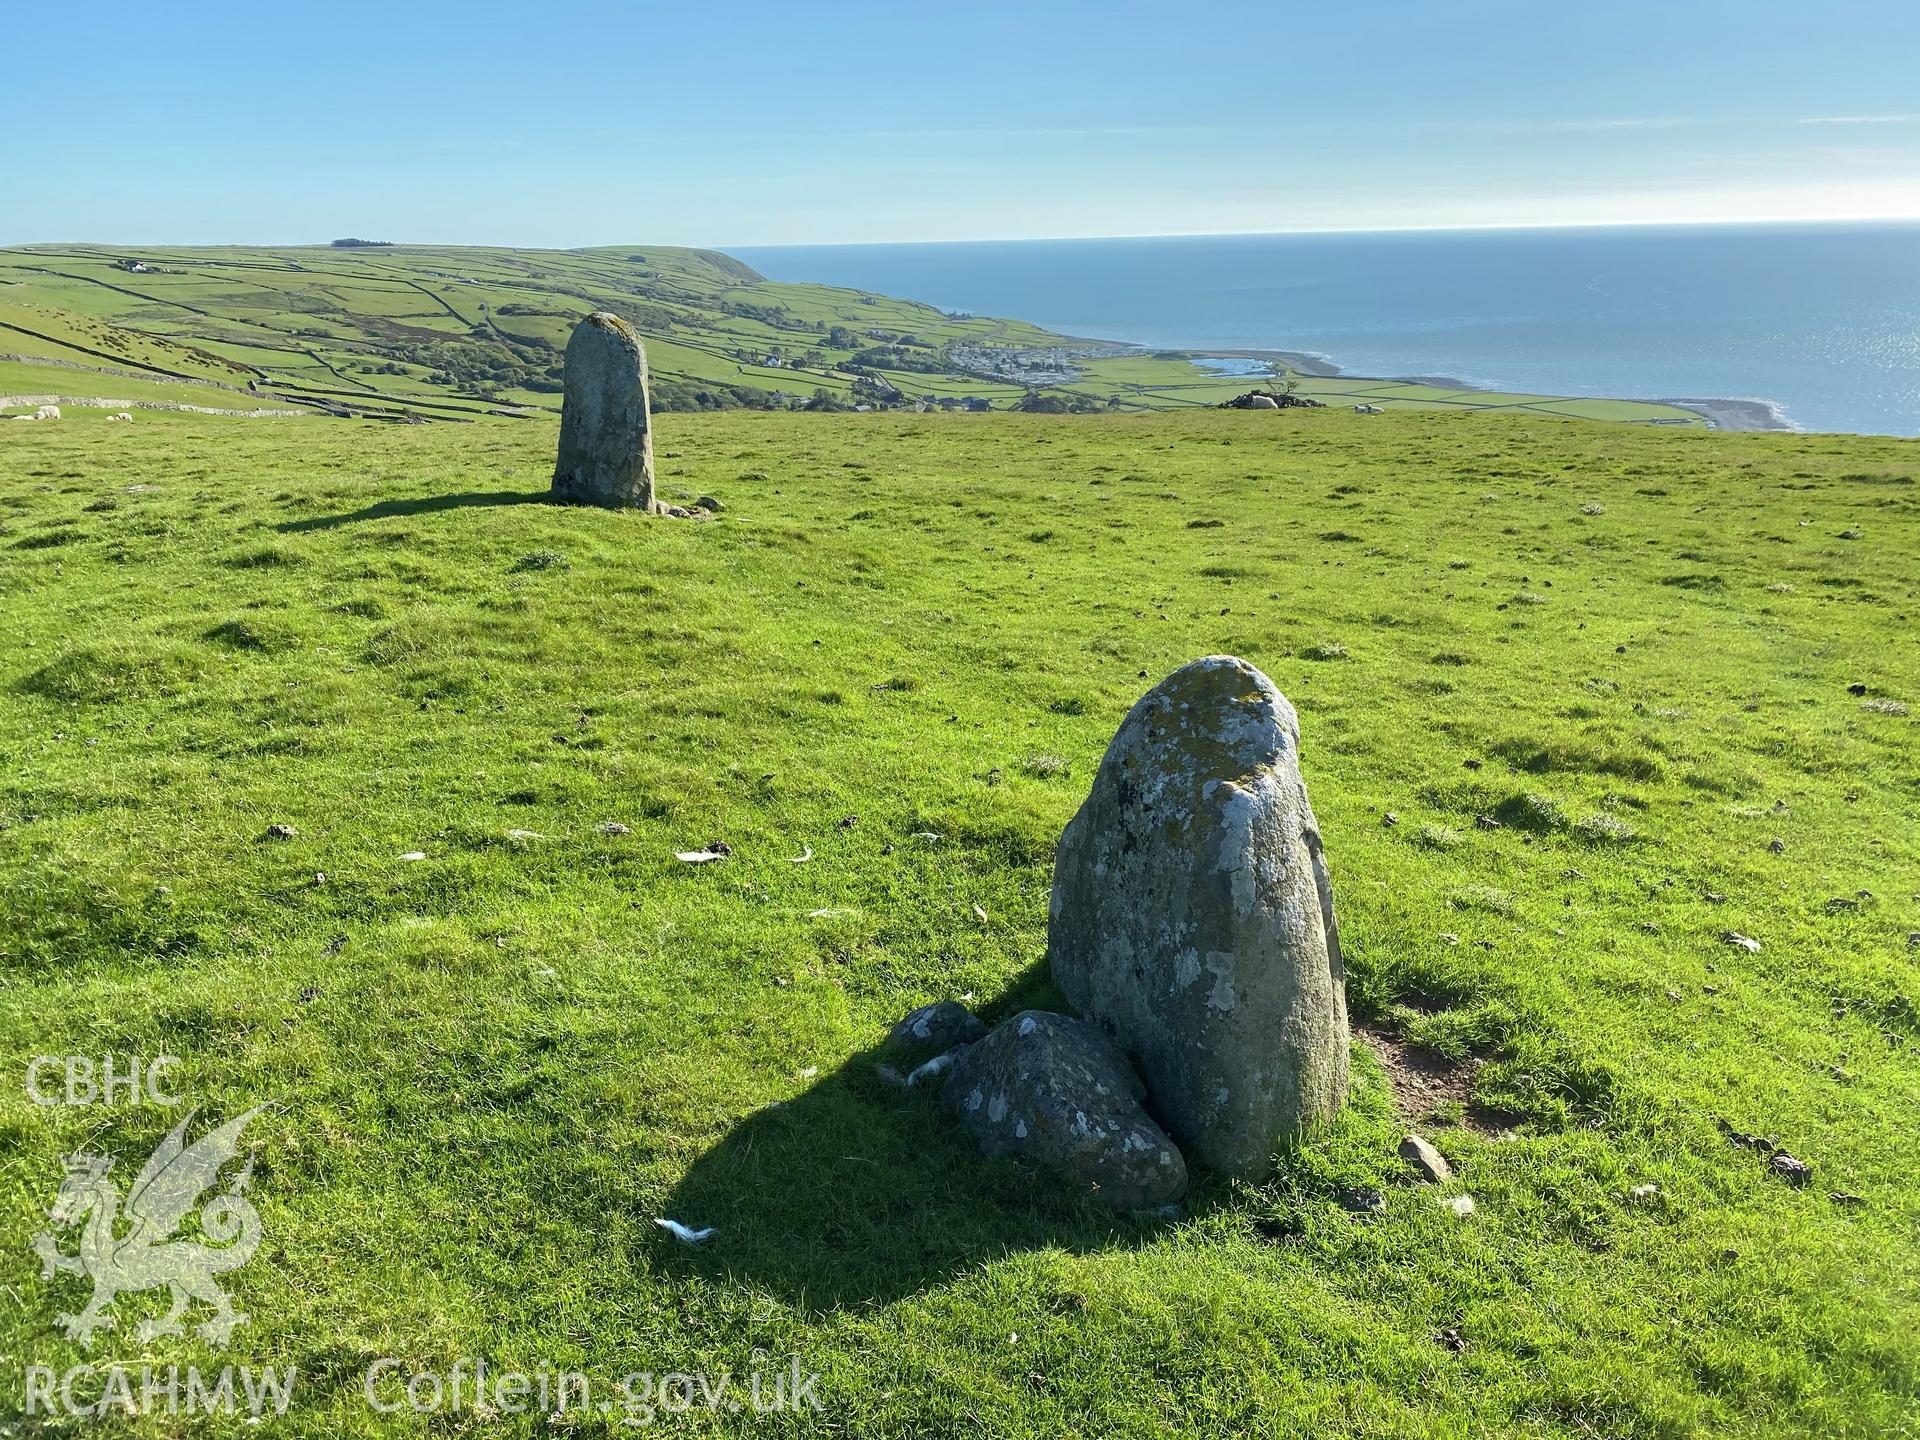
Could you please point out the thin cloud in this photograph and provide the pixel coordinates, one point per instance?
(1600, 124)
(1031, 132)
(1633, 122)
(1905, 119)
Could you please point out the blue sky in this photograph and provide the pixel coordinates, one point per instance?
(745, 123)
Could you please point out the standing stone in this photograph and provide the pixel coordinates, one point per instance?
(1192, 918)
(606, 433)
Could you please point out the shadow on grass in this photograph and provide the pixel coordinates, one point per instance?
(388, 509)
(858, 1192)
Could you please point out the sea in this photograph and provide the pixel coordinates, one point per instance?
(1820, 322)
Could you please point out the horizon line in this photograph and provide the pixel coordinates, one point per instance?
(1683, 223)
(1532, 225)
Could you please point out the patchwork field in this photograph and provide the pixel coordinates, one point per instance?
(1579, 701)
(457, 332)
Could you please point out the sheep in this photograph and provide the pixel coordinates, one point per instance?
(47, 412)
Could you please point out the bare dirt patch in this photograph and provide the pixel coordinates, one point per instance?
(1426, 1087)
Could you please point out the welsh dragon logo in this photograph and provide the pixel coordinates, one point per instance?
(152, 1253)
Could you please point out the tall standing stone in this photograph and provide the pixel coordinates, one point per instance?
(606, 432)
(1192, 918)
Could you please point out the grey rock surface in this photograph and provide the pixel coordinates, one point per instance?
(1192, 917)
(1054, 1091)
(606, 430)
(932, 1030)
(1431, 1164)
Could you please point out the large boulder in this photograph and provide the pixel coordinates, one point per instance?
(1054, 1091)
(1192, 918)
(606, 430)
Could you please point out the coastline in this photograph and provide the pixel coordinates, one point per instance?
(1307, 363)
(1721, 413)
(1594, 314)
(1739, 414)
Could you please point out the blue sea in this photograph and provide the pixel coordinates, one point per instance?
(1821, 321)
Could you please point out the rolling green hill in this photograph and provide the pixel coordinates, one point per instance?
(458, 332)
(1578, 702)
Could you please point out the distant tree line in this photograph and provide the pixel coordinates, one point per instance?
(774, 315)
(483, 367)
(352, 244)
(1047, 402)
(709, 395)
(896, 357)
(840, 337)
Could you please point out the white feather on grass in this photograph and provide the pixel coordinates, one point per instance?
(686, 1235)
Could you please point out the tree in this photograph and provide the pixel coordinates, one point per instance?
(1280, 378)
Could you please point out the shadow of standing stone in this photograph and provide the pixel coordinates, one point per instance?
(854, 1193)
(606, 429)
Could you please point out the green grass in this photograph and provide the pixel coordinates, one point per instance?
(471, 328)
(493, 1068)
(29, 331)
(84, 396)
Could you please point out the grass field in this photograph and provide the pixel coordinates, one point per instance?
(455, 332)
(491, 1069)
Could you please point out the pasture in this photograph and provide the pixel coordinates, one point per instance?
(1562, 685)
